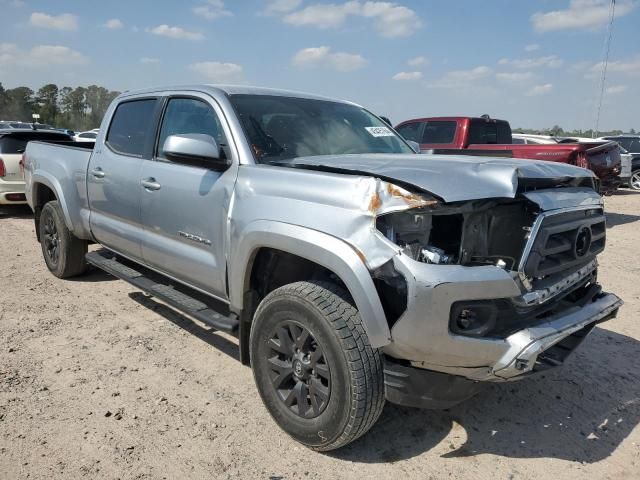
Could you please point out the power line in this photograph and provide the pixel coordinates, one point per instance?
(605, 63)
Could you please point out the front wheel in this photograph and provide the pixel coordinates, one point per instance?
(315, 370)
(634, 183)
(62, 251)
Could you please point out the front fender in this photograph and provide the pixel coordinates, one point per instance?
(325, 250)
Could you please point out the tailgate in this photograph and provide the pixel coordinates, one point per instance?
(604, 157)
(12, 167)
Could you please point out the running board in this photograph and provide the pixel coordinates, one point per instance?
(185, 299)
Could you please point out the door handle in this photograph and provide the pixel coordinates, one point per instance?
(150, 184)
(97, 172)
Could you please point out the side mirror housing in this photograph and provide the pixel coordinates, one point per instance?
(195, 148)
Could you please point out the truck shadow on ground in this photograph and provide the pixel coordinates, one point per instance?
(15, 211)
(580, 413)
(206, 334)
(615, 219)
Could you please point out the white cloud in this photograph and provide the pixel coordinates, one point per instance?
(581, 14)
(462, 78)
(39, 56)
(631, 67)
(175, 32)
(407, 76)
(114, 24)
(390, 19)
(212, 9)
(550, 61)
(219, 72)
(540, 90)
(325, 57)
(65, 21)
(282, 6)
(532, 47)
(514, 77)
(418, 61)
(615, 89)
(149, 60)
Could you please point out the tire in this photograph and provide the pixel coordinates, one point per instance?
(634, 182)
(350, 396)
(62, 251)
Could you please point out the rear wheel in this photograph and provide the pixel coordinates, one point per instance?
(634, 183)
(315, 370)
(62, 251)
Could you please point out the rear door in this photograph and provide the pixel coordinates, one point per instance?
(113, 177)
(186, 209)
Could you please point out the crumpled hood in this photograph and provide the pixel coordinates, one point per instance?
(451, 177)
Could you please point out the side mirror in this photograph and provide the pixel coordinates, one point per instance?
(196, 148)
(386, 120)
(414, 145)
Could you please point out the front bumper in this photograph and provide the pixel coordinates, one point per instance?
(422, 337)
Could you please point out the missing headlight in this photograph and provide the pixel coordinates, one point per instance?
(423, 236)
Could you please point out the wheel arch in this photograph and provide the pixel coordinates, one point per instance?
(324, 251)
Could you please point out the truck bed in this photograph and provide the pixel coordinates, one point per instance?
(62, 166)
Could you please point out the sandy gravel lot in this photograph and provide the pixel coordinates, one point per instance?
(99, 381)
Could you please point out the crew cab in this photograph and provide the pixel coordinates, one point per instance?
(487, 136)
(351, 268)
(13, 143)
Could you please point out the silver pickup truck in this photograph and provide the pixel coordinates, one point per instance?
(350, 268)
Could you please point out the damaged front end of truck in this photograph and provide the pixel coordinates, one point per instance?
(493, 275)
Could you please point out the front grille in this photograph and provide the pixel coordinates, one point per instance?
(566, 240)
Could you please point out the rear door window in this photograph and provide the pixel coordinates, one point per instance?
(131, 127)
(411, 131)
(439, 131)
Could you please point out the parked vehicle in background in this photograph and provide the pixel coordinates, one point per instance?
(530, 139)
(631, 144)
(13, 143)
(67, 131)
(486, 136)
(351, 267)
(89, 136)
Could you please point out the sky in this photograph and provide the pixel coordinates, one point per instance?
(536, 63)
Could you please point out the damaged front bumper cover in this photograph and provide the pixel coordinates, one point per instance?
(527, 348)
(423, 340)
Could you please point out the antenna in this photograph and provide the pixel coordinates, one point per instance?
(605, 63)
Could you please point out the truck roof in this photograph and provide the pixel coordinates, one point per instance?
(233, 90)
(451, 119)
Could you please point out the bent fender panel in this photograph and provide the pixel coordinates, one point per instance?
(325, 250)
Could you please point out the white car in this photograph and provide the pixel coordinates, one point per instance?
(525, 138)
(89, 136)
(13, 143)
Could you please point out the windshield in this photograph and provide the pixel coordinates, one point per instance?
(281, 128)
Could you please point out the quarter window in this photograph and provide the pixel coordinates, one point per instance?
(131, 127)
(191, 116)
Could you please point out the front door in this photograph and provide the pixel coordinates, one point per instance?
(113, 177)
(185, 205)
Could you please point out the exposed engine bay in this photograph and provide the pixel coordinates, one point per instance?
(485, 232)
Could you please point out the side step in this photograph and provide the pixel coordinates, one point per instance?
(185, 299)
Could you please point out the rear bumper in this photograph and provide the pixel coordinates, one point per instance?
(12, 193)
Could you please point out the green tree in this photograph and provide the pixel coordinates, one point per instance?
(20, 104)
(47, 102)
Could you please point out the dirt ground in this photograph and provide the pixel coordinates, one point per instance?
(99, 381)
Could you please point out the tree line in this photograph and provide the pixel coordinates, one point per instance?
(558, 131)
(80, 108)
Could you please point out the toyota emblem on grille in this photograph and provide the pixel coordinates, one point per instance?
(583, 241)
